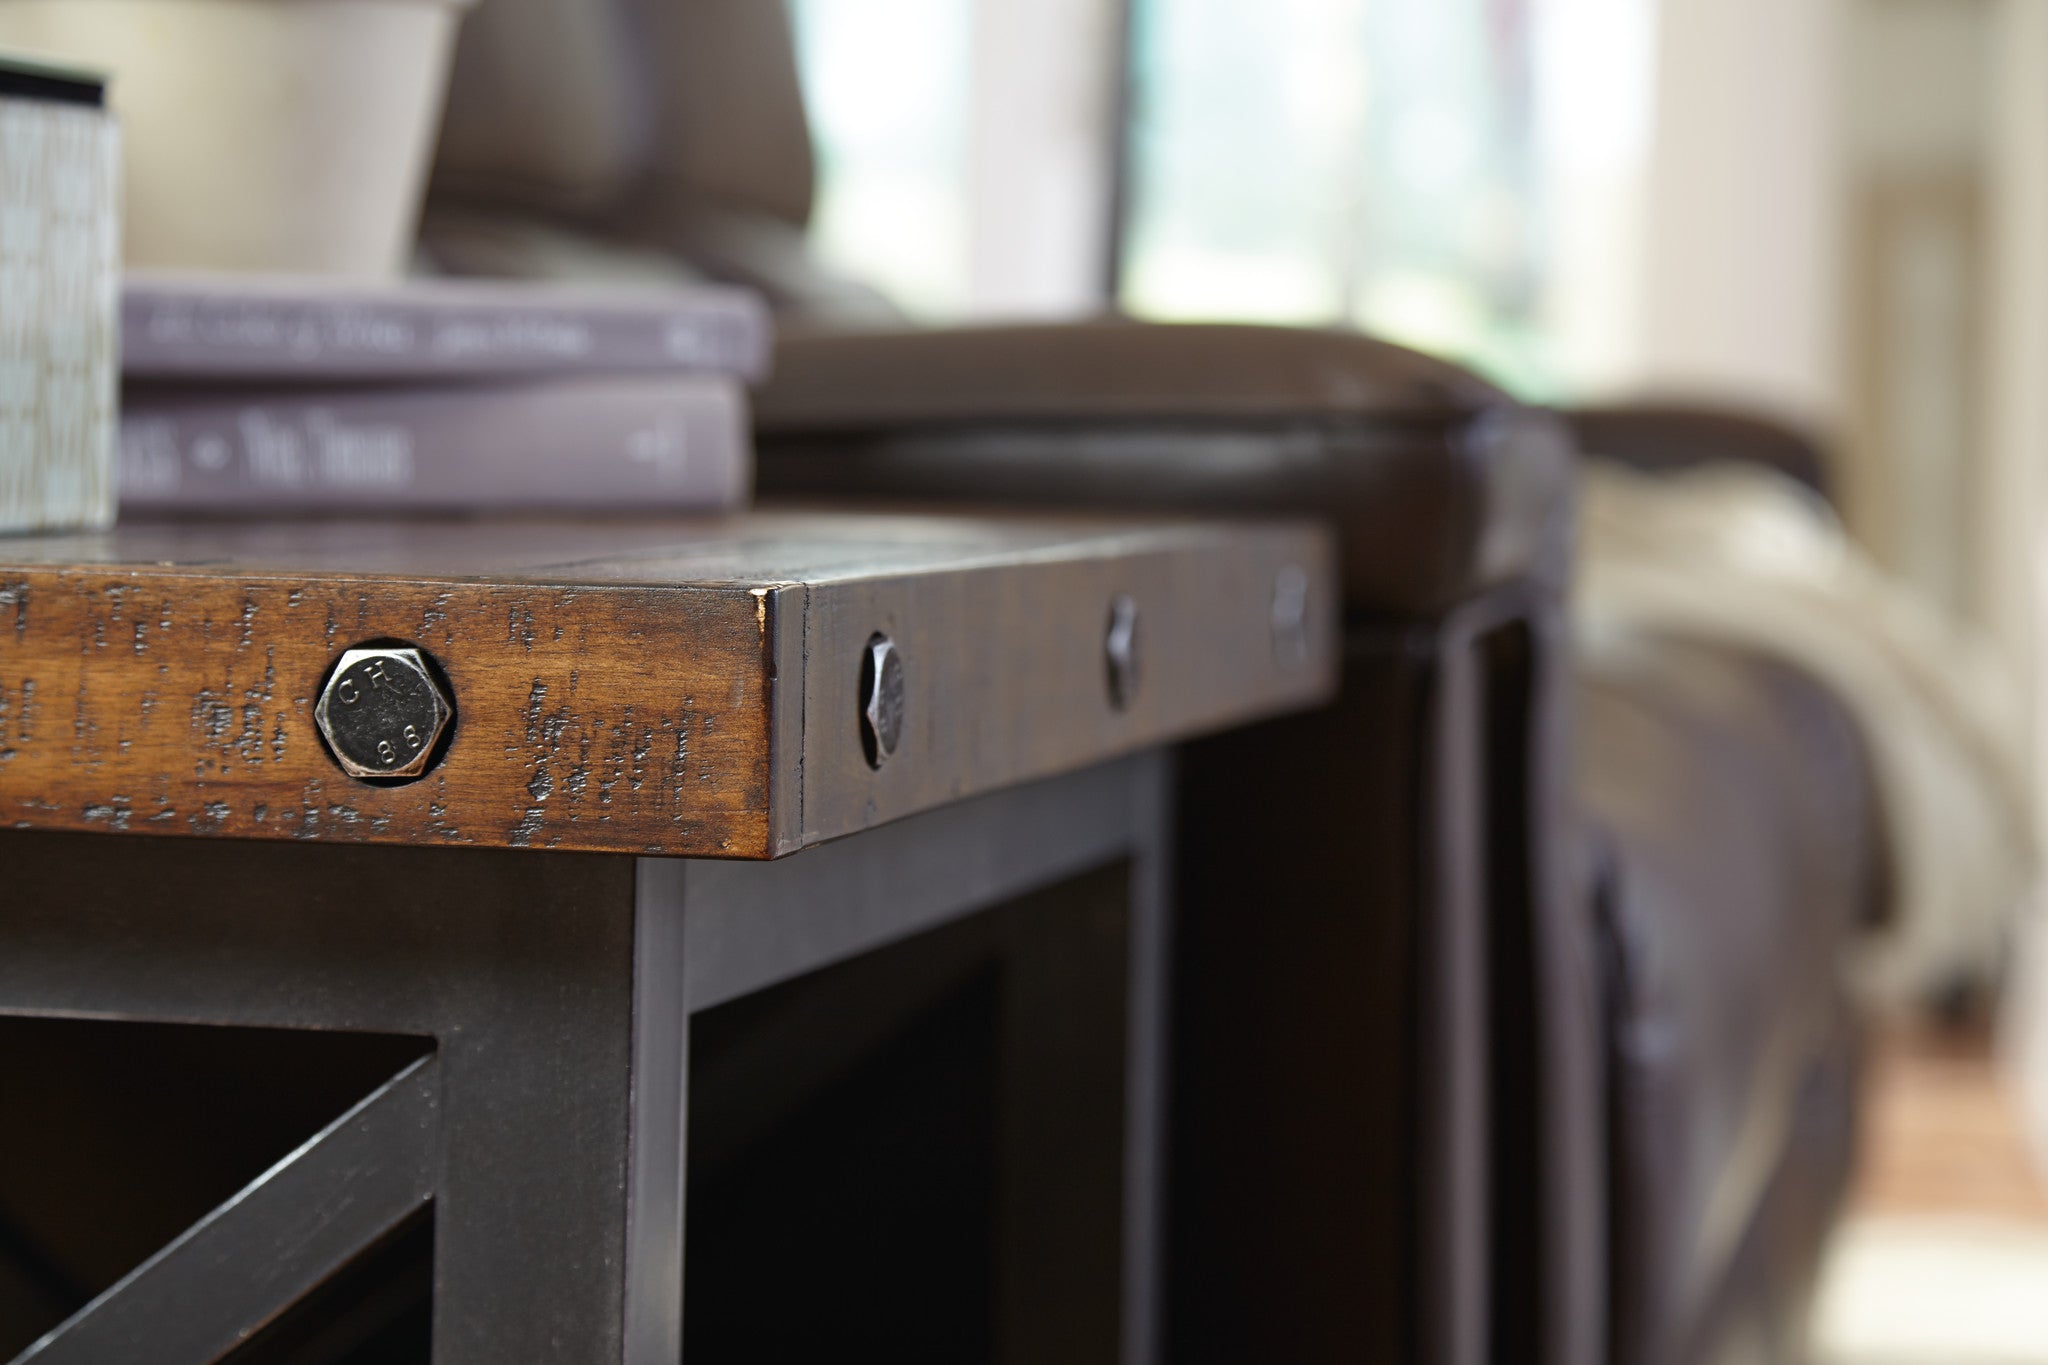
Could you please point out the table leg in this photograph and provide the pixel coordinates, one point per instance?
(545, 1117)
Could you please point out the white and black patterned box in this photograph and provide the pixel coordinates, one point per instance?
(60, 244)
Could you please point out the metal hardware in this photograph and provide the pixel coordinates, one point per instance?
(1120, 651)
(382, 713)
(1290, 617)
(881, 691)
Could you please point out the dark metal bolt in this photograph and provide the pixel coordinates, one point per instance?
(1290, 617)
(1120, 651)
(881, 694)
(382, 713)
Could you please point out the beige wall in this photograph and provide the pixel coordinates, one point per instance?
(1743, 204)
(1918, 282)
(2011, 558)
(2007, 577)
(1040, 146)
(1696, 249)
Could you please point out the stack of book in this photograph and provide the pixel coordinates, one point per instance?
(263, 396)
(60, 251)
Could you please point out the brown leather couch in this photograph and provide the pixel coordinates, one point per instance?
(1743, 852)
(1508, 1021)
(1387, 1134)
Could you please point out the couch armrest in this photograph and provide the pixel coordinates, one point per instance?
(1659, 437)
(1439, 484)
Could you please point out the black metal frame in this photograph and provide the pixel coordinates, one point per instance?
(547, 1127)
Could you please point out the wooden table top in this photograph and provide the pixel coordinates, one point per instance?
(685, 687)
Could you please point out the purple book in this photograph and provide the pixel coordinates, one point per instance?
(262, 328)
(596, 443)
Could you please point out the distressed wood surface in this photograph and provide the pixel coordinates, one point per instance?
(607, 717)
(675, 687)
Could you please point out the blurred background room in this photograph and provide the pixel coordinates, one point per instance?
(1779, 266)
(1829, 214)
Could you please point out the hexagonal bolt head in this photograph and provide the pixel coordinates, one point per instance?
(1290, 617)
(1120, 651)
(881, 699)
(382, 713)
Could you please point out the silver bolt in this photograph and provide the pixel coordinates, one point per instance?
(382, 713)
(881, 693)
(1290, 617)
(1120, 650)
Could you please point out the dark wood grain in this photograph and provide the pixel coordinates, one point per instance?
(670, 687)
(167, 700)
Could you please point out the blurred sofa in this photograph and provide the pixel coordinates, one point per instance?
(1512, 1022)
(1508, 1014)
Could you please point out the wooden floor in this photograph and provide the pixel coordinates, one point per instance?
(1942, 1134)
(1943, 1257)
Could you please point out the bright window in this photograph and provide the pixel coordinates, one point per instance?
(887, 86)
(1362, 162)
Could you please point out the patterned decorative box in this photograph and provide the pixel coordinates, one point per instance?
(60, 239)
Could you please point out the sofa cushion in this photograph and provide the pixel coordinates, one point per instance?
(1739, 834)
(1439, 484)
